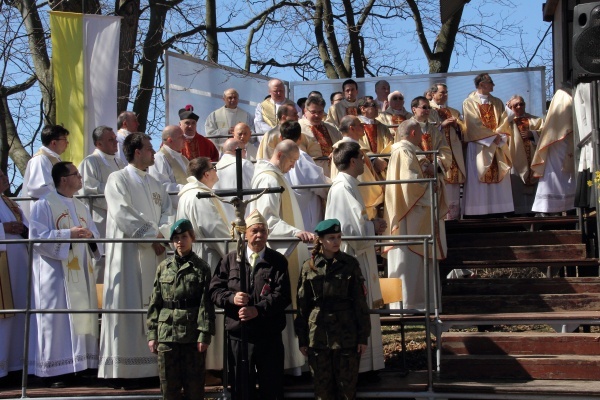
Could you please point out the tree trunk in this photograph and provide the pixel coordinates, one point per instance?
(444, 45)
(212, 42)
(10, 140)
(318, 20)
(152, 50)
(353, 34)
(334, 49)
(39, 55)
(130, 11)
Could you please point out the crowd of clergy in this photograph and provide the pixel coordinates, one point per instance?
(492, 158)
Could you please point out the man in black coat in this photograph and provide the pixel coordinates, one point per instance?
(261, 309)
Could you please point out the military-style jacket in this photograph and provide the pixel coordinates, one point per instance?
(180, 307)
(332, 306)
(268, 287)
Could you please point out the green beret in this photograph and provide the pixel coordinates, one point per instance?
(180, 226)
(328, 226)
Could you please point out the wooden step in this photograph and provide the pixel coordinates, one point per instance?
(520, 303)
(526, 367)
(536, 263)
(537, 252)
(511, 224)
(520, 344)
(587, 317)
(507, 286)
(481, 239)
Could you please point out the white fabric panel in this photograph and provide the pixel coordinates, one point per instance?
(529, 83)
(201, 84)
(101, 52)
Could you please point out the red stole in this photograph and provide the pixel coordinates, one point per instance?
(371, 132)
(322, 136)
(397, 119)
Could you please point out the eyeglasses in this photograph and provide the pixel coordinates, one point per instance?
(397, 98)
(73, 174)
(316, 112)
(367, 105)
(522, 104)
(489, 81)
(424, 107)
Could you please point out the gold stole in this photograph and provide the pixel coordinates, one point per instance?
(6, 296)
(488, 119)
(286, 204)
(522, 124)
(268, 111)
(452, 174)
(178, 172)
(322, 135)
(42, 152)
(81, 289)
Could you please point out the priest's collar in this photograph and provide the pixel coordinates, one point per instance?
(102, 154)
(366, 120)
(349, 139)
(65, 197)
(142, 174)
(50, 152)
(171, 151)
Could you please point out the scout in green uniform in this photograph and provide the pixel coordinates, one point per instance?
(333, 318)
(181, 317)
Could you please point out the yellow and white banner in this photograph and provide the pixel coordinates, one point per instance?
(85, 56)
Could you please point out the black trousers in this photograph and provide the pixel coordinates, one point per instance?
(265, 357)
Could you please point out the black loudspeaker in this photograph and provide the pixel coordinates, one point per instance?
(586, 42)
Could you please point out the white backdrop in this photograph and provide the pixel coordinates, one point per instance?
(201, 84)
(527, 82)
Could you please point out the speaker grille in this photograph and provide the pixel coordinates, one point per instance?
(586, 46)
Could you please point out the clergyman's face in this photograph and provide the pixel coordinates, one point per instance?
(231, 99)
(108, 143)
(350, 92)
(441, 96)
(314, 114)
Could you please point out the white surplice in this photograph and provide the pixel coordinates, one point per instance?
(138, 207)
(556, 188)
(12, 330)
(306, 172)
(345, 203)
(37, 180)
(121, 135)
(162, 171)
(206, 215)
(271, 207)
(59, 344)
(484, 198)
(221, 120)
(226, 171)
(94, 170)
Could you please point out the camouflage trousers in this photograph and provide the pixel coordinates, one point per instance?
(181, 365)
(335, 373)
